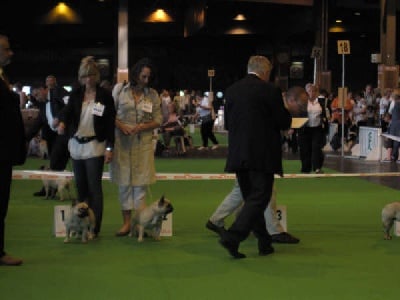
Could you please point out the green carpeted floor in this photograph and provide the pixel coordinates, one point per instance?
(342, 254)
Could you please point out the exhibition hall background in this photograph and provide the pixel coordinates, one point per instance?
(185, 48)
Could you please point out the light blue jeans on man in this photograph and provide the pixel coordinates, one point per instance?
(233, 203)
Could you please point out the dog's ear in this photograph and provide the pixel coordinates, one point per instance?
(161, 201)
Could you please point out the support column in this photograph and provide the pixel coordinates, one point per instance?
(123, 41)
(388, 73)
(323, 76)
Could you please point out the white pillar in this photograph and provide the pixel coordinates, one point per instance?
(123, 41)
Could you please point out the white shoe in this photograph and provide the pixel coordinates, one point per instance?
(214, 147)
(201, 148)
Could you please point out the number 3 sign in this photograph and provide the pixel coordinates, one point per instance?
(281, 215)
(343, 47)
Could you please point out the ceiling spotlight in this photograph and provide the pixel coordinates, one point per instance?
(240, 17)
(62, 14)
(238, 30)
(336, 29)
(159, 15)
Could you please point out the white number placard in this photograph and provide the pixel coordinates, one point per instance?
(166, 226)
(281, 214)
(61, 212)
(396, 228)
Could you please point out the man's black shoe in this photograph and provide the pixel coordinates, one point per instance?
(232, 249)
(217, 229)
(266, 250)
(264, 247)
(41, 193)
(284, 238)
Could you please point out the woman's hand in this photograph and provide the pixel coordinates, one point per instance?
(61, 128)
(108, 156)
(138, 128)
(125, 128)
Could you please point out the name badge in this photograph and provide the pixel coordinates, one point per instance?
(147, 107)
(98, 109)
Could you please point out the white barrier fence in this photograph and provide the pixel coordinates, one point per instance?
(60, 211)
(38, 175)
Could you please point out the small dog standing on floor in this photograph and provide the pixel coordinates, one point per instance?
(150, 218)
(43, 150)
(61, 186)
(80, 221)
(390, 213)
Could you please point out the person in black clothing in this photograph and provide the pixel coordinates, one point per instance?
(52, 99)
(311, 137)
(13, 144)
(255, 114)
(58, 98)
(88, 121)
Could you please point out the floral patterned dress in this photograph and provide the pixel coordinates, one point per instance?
(133, 155)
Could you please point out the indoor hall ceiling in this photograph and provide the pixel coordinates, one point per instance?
(42, 48)
(22, 19)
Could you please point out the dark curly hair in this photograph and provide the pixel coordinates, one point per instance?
(134, 72)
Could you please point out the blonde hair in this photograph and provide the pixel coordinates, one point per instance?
(259, 64)
(89, 67)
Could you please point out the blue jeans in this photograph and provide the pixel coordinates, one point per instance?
(88, 175)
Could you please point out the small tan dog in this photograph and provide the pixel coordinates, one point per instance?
(150, 218)
(390, 213)
(43, 150)
(80, 221)
(61, 187)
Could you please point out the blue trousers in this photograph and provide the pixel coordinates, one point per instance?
(88, 179)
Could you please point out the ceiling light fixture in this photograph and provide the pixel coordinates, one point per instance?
(62, 14)
(336, 29)
(238, 30)
(159, 15)
(240, 17)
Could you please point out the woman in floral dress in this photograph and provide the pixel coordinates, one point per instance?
(138, 114)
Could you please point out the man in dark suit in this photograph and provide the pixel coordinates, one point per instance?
(52, 99)
(40, 92)
(58, 97)
(254, 116)
(13, 144)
